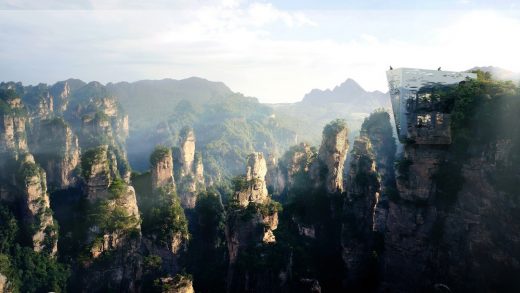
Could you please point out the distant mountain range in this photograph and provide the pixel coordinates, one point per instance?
(348, 101)
(499, 73)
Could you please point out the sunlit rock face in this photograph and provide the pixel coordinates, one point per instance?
(256, 187)
(332, 155)
(162, 171)
(191, 174)
(116, 228)
(250, 221)
(56, 148)
(177, 284)
(36, 205)
(61, 93)
(13, 136)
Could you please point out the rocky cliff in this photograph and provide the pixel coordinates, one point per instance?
(114, 225)
(13, 136)
(251, 221)
(254, 187)
(332, 155)
(56, 147)
(191, 169)
(162, 168)
(37, 213)
(357, 231)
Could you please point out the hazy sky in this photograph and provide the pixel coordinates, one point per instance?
(274, 50)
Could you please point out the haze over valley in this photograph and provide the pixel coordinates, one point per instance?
(259, 146)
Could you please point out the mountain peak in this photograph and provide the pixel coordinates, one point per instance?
(341, 93)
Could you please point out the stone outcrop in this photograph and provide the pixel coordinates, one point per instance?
(116, 228)
(274, 179)
(454, 242)
(5, 285)
(297, 161)
(332, 155)
(363, 193)
(37, 212)
(251, 222)
(177, 284)
(255, 187)
(162, 168)
(96, 169)
(13, 136)
(56, 148)
(187, 151)
(61, 93)
(191, 169)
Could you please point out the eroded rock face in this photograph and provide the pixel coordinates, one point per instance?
(178, 284)
(162, 170)
(119, 238)
(116, 229)
(13, 137)
(462, 242)
(191, 170)
(187, 151)
(363, 192)
(96, 172)
(251, 222)
(57, 149)
(4, 284)
(421, 164)
(61, 92)
(38, 215)
(255, 189)
(297, 160)
(332, 155)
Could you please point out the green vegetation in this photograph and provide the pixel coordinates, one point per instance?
(208, 244)
(163, 216)
(483, 111)
(6, 96)
(117, 188)
(90, 157)
(110, 217)
(159, 153)
(26, 270)
(228, 128)
(334, 127)
(27, 171)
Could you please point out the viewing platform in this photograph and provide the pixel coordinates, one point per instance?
(418, 117)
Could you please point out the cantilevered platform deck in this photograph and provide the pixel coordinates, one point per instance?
(416, 117)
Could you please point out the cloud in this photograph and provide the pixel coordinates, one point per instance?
(254, 47)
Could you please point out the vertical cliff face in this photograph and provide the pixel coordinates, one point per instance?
(114, 225)
(187, 151)
(295, 162)
(56, 147)
(191, 173)
(13, 136)
(177, 284)
(332, 155)
(251, 221)
(450, 224)
(36, 206)
(61, 92)
(4, 283)
(254, 187)
(162, 168)
(362, 195)
(163, 193)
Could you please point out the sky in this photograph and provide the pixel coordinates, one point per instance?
(273, 50)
